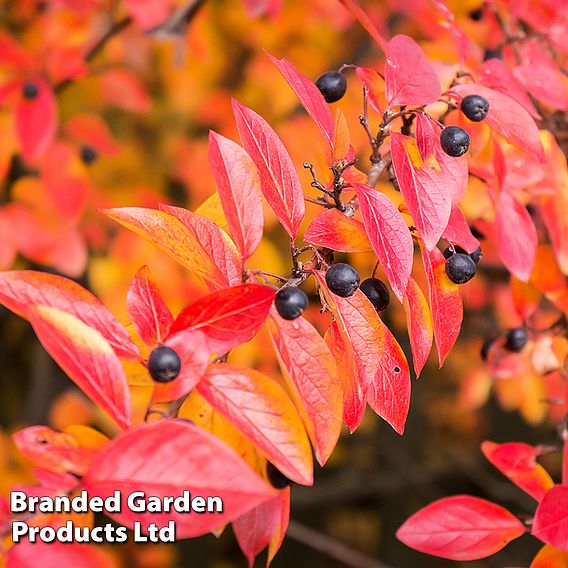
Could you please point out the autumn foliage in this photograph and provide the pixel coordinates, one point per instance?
(109, 263)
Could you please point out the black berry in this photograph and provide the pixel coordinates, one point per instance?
(164, 364)
(475, 255)
(460, 268)
(88, 155)
(377, 293)
(291, 302)
(277, 479)
(487, 344)
(30, 91)
(474, 107)
(342, 279)
(492, 54)
(476, 14)
(332, 86)
(516, 339)
(455, 141)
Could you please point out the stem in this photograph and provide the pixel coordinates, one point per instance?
(114, 30)
(329, 546)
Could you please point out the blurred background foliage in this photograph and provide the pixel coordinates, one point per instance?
(145, 105)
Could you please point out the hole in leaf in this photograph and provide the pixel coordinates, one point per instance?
(396, 369)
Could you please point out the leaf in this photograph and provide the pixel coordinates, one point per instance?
(310, 97)
(193, 241)
(389, 236)
(228, 317)
(147, 309)
(460, 528)
(458, 231)
(262, 411)
(496, 75)
(353, 398)
(424, 188)
(518, 463)
(86, 357)
(36, 121)
(541, 75)
(445, 302)
(507, 117)
(389, 394)
(280, 533)
(256, 528)
(194, 351)
(123, 88)
(57, 554)
(148, 13)
(311, 375)
(361, 329)
(366, 22)
(238, 184)
(278, 178)
(550, 557)
(332, 229)
(517, 238)
(419, 323)
(550, 522)
(409, 77)
(376, 86)
(55, 451)
(22, 290)
(165, 458)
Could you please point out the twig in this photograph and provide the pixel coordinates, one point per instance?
(114, 30)
(324, 543)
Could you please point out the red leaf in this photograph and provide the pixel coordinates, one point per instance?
(148, 13)
(311, 374)
(194, 352)
(458, 231)
(147, 309)
(460, 528)
(541, 75)
(87, 357)
(123, 89)
(424, 188)
(192, 240)
(57, 554)
(238, 184)
(332, 229)
(164, 459)
(365, 22)
(389, 236)
(496, 75)
(389, 393)
(21, 290)
(310, 96)
(409, 77)
(518, 462)
(55, 451)
(260, 408)
(550, 522)
(376, 86)
(36, 121)
(92, 131)
(256, 529)
(353, 396)
(419, 320)
(228, 317)
(445, 302)
(507, 117)
(516, 236)
(361, 329)
(278, 178)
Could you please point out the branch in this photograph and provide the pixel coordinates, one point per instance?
(114, 30)
(324, 543)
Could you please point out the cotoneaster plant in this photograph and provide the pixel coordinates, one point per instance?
(267, 430)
